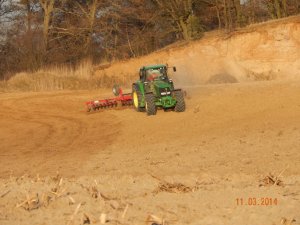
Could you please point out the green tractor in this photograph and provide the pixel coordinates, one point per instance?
(155, 90)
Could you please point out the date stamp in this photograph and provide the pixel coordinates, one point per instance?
(253, 201)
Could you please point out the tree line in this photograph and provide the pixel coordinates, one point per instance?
(36, 33)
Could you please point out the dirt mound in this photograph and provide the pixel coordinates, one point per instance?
(261, 52)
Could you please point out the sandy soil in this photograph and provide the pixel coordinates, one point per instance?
(185, 168)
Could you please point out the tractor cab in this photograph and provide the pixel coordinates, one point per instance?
(156, 72)
(153, 74)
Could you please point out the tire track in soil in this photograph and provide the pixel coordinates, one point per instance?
(66, 140)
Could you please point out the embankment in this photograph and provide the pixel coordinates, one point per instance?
(264, 51)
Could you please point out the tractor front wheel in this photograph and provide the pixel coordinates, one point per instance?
(150, 104)
(180, 105)
(137, 98)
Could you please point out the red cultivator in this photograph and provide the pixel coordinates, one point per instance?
(120, 100)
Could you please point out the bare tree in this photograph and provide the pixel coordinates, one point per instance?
(181, 12)
(48, 7)
(277, 9)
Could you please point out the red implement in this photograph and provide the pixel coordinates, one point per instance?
(120, 100)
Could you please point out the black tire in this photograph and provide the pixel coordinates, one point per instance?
(150, 104)
(180, 105)
(138, 98)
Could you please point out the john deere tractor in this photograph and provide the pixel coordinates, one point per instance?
(155, 90)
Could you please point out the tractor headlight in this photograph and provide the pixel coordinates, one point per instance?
(165, 91)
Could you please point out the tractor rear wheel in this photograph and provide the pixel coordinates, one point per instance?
(137, 98)
(150, 104)
(180, 105)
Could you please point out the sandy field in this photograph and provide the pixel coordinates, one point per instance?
(232, 158)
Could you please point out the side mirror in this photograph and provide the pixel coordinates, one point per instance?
(174, 69)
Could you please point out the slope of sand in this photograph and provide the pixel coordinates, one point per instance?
(187, 168)
(267, 51)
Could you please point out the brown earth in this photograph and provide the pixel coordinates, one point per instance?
(188, 168)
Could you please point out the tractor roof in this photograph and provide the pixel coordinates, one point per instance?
(153, 67)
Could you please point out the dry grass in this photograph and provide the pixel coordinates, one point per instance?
(3, 85)
(61, 78)
(264, 76)
(270, 180)
(173, 188)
